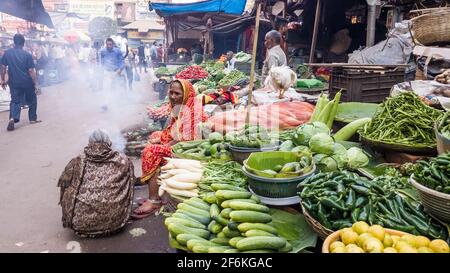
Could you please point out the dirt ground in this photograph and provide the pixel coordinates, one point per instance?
(32, 158)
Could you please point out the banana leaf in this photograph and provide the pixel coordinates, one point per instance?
(350, 111)
(293, 227)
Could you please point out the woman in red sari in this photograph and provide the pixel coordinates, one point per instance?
(186, 115)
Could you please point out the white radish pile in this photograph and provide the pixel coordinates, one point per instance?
(180, 177)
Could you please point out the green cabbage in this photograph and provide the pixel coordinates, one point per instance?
(307, 130)
(301, 149)
(231, 136)
(340, 154)
(322, 144)
(318, 157)
(215, 137)
(356, 158)
(328, 164)
(286, 146)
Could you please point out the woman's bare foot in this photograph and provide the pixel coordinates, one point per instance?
(146, 209)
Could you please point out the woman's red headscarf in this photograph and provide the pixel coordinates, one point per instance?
(185, 126)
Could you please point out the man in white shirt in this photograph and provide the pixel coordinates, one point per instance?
(275, 55)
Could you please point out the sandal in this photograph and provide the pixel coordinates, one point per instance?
(136, 215)
(35, 121)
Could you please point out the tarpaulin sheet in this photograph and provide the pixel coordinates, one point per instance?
(223, 6)
(30, 10)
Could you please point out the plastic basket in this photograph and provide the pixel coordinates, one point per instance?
(435, 203)
(321, 231)
(365, 85)
(275, 187)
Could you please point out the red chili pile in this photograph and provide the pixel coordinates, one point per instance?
(192, 72)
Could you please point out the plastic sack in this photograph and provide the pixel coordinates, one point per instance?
(395, 50)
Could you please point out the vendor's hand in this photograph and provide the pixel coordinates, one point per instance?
(119, 72)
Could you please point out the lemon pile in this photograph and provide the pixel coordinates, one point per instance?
(362, 238)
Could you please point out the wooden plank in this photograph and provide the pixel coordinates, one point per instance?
(316, 29)
(252, 70)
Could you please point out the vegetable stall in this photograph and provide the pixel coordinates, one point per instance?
(335, 177)
(232, 190)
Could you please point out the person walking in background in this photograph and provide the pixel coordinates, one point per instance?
(141, 55)
(148, 57)
(93, 67)
(112, 63)
(154, 54)
(22, 81)
(160, 53)
(130, 66)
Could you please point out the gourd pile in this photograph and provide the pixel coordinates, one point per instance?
(228, 220)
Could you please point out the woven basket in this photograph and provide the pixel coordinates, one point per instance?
(335, 236)
(432, 27)
(436, 203)
(322, 231)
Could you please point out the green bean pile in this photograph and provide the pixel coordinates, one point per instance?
(444, 125)
(404, 119)
(224, 173)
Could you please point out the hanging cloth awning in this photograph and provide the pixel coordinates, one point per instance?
(30, 10)
(235, 7)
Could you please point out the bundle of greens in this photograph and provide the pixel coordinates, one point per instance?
(232, 78)
(243, 57)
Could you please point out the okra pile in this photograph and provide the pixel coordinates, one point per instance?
(434, 174)
(404, 119)
(339, 199)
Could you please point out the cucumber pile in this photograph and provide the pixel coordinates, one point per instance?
(225, 221)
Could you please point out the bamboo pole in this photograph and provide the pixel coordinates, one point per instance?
(252, 70)
(316, 29)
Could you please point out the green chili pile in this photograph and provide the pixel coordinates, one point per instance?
(404, 119)
(434, 174)
(339, 199)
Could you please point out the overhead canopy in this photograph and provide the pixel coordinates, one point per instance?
(58, 17)
(30, 10)
(235, 7)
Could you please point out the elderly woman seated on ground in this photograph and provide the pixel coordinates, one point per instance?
(97, 189)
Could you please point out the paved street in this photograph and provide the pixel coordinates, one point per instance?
(33, 156)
